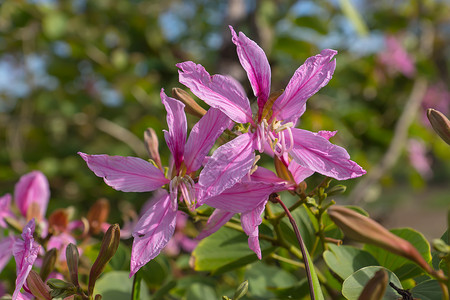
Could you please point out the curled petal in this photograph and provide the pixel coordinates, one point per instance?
(327, 134)
(32, 188)
(152, 232)
(217, 91)
(250, 222)
(25, 252)
(176, 120)
(318, 154)
(306, 81)
(126, 174)
(229, 163)
(203, 136)
(217, 219)
(254, 61)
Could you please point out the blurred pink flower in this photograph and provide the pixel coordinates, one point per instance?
(180, 241)
(418, 158)
(438, 98)
(395, 58)
(5, 210)
(32, 188)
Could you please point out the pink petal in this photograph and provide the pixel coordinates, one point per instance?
(5, 210)
(306, 81)
(6, 246)
(153, 232)
(218, 91)
(318, 154)
(32, 187)
(264, 175)
(229, 163)
(127, 174)
(327, 134)
(242, 197)
(203, 136)
(176, 120)
(25, 252)
(217, 219)
(254, 61)
(299, 172)
(60, 242)
(250, 222)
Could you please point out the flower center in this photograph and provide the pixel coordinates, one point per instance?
(186, 186)
(279, 136)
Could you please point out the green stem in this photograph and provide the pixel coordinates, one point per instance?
(136, 290)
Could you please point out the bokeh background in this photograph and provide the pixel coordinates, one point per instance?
(86, 75)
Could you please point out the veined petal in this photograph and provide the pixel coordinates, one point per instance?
(316, 153)
(250, 222)
(152, 232)
(6, 246)
(126, 174)
(176, 120)
(264, 175)
(5, 210)
(327, 134)
(217, 219)
(218, 91)
(254, 61)
(299, 172)
(25, 252)
(310, 77)
(32, 187)
(229, 163)
(203, 136)
(242, 197)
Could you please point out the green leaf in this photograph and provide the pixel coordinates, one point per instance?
(315, 280)
(402, 267)
(136, 289)
(155, 271)
(200, 291)
(354, 284)
(312, 22)
(262, 277)
(225, 250)
(297, 291)
(427, 290)
(345, 260)
(306, 225)
(121, 260)
(117, 285)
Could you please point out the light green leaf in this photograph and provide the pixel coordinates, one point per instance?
(117, 285)
(306, 225)
(354, 284)
(225, 250)
(402, 267)
(345, 260)
(200, 291)
(262, 277)
(427, 290)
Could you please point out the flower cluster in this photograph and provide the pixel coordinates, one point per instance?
(229, 180)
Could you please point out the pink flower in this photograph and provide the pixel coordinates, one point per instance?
(131, 174)
(5, 210)
(273, 124)
(6, 246)
(25, 252)
(396, 59)
(32, 188)
(418, 158)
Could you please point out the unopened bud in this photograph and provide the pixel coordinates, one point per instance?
(192, 107)
(336, 190)
(241, 290)
(440, 124)
(37, 287)
(109, 246)
(48, 263)
(365, 230)
(441, 246)
(72, 257)
(98, 297)
(61, 289)
(97, 215)
(58, 221)
(151, 144)
(375, 287)
(282, 170)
